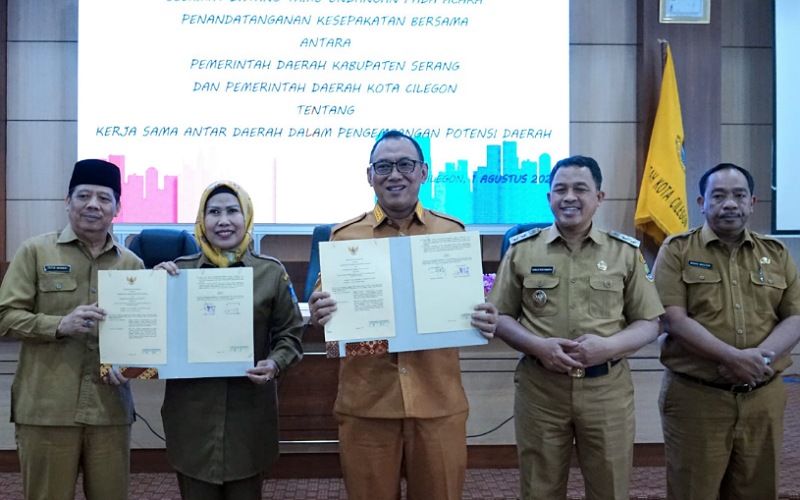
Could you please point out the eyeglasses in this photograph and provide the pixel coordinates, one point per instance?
(404, 166)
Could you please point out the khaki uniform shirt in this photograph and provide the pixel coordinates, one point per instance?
(599, 288)
(739, 296)
(226, 428)
(58, 380)
(417, 384)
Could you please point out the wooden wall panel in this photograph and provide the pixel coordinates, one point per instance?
(603, 100)
(491, 244)
(491, 401)
(616, 215)
(602, 83)
(4, 220)
(306, 396)
(43, 20)
(41, 159)
(42, 87)
(31, 218)
(287, 248)
(607, 22)
(746, 23)
(646, 388)
(761, 220)
(751, 147)
(748, 75)
(148, 396)
(42, 81)
(613, 146)
(748, 94)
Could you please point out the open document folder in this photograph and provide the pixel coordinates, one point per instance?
(196, 324)
(402, 294)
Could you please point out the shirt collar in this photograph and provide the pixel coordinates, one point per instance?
(204, 262)
(68, 235)
(707, 236)
(380, 215)
(554, 234)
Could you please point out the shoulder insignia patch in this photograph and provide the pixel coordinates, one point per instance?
(261, 256)
(682, 235)
(767, 238)
(630, 240)
(647, 272)
(346, 223)
(291, 288)
(524, 236)
(448, 217)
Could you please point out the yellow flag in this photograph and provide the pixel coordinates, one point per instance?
(662, 208)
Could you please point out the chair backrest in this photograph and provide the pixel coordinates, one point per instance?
(515, 230)
(157, 245)
(321, 233)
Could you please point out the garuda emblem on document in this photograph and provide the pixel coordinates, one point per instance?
(131, 280)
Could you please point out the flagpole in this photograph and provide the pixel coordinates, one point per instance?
(663, 43)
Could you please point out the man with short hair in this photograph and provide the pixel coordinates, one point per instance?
(575, 301)
(67, 417)
(406, 408)
(732, 302)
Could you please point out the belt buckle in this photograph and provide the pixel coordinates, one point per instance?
(741, 388)
(577, 372)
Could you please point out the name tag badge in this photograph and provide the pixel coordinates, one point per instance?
(543, 270)
(704, 265)
(53, 268)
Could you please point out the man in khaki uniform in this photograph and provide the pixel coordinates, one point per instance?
(575, 300)
(407, 408)
(732, 302)
(68, 418)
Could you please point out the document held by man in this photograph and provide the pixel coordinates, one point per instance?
(358, 275)
(448, 280)
(402, 294)
(196, 324)
(135, 329)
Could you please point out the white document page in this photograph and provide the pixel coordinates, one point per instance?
(358, 275)
(135, 329)
(448, 280)
(220, 315)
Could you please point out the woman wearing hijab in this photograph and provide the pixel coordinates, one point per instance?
(222, 433)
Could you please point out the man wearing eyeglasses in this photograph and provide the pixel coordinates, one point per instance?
(406, 408)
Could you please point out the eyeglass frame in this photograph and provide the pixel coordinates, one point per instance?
(394, 165)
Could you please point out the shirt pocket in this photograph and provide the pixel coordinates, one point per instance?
(539, 294)
(606, 299)
(768, 290)
(56, 294)
(703, 289)
(48, 284)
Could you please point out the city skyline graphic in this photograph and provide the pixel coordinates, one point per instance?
(503, 190)
(143, 200)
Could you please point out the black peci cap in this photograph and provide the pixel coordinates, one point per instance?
(97, 172)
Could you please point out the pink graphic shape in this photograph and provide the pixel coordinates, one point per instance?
(142, 200)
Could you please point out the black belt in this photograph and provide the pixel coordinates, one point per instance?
(590, 372)
(734, 388)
